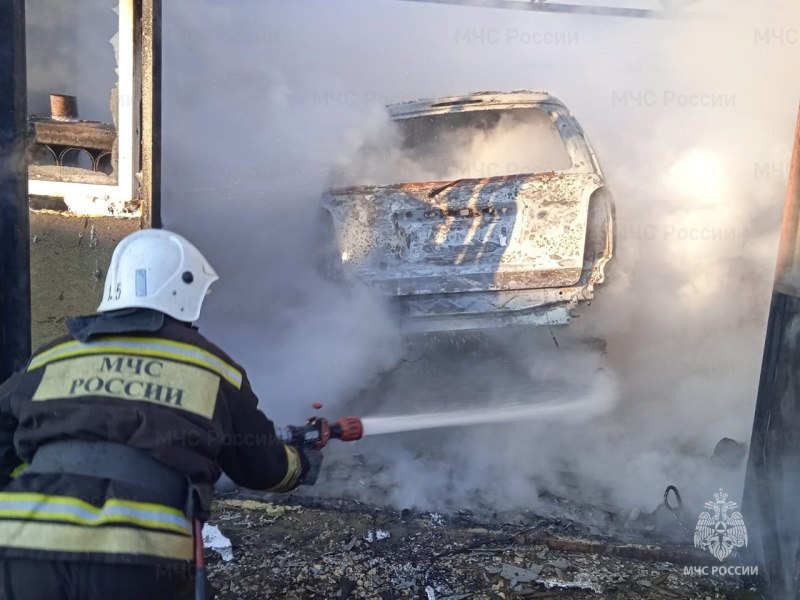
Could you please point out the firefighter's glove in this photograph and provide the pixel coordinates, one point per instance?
(311, 461)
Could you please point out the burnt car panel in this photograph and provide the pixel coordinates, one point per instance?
(503, 233)
(469, 253)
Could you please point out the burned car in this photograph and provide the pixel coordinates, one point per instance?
(473, 212)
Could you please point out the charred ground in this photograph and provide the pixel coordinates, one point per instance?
(301, 549)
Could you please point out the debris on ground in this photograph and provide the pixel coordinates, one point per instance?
(313, 549)
(377, 535)
(214, 540)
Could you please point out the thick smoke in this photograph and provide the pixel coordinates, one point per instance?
(692, 122)
(455, 146)
(69, 52)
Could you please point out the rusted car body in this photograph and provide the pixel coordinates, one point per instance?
(469, 253)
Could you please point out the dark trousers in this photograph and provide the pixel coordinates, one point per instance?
(23, 579)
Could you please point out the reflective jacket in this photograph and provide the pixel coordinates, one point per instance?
(146, 381)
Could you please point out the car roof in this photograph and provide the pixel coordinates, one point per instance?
(471, 102)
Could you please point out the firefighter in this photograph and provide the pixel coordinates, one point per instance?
(113, 435)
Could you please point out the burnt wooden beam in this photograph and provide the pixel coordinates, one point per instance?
(678, 555)
(150, 190)
(15, 281)
(557, 7)
(97, 136)
(772, 484)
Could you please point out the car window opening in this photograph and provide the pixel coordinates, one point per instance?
(459, 145)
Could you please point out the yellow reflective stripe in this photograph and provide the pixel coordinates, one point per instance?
(114, 510)
(32, 496)
(34, 535)
(18, 469)
(142, 347)
(294, 469)
(41, 515)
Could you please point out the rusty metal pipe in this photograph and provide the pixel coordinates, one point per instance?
(63, 108)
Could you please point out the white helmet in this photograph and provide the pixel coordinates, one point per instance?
(157, 269)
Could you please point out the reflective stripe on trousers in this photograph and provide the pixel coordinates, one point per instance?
(67, 524)
(58, 537)
(25, 505)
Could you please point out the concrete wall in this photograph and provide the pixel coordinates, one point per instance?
(68, 268)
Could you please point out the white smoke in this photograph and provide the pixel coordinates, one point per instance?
(69, 52)
(692, 122)
(456, 146)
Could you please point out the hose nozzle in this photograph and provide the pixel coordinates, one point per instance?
(317, 431)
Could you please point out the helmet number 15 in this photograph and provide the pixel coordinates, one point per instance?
(115, 293)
